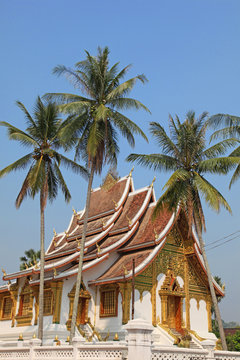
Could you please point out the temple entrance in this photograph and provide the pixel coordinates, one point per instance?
(174, 313)
(82, 309)
(172, 295)
(83, 302)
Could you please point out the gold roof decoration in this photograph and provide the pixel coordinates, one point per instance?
(55, 272)
(26, 266)
(4, 272)
(110, 179)
(54, 232)
(125, 270)
(130, 174)
(153, 181)
(74, 211)
(98, 248)
(155, 234)
(129, 220)
(115, 203)
(36, 264)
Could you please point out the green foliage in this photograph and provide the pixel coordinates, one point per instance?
(230, 129)
(185, 154)
(96, 119)
(30, 258)
(233, 341)
(44, 135)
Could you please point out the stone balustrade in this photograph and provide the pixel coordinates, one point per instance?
(139, 345)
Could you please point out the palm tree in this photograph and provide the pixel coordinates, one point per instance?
(31, 256)
(185, 154)
(97, 121)
(44, 136)
(230, 128)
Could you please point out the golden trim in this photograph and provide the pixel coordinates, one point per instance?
(57, 295)
(153, 294)
(186, 288)
(125, 291)
(196, 335)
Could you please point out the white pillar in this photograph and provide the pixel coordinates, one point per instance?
(139, 339)
(32, 343)
(209, 345)
(76, 341)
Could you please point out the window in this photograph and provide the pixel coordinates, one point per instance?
(48, 302)
(7, 308)
(108, 302)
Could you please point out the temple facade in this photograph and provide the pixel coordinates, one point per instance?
(133, 267)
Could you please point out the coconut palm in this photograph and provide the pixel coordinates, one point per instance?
(43, 136)
(185, 154)
(230, 127)
(97, 121)
(29, 259)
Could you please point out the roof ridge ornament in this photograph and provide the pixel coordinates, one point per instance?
(153, 182)
(54, 232)
(74, 211)
(129, 220)
(98, 248)
(4, 272)
(130, 174)
(125, 270)
(115, 203)
(155, 233)
(55, 272)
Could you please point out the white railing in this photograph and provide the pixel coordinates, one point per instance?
(175, 353)
(226, 355)
(109, 351)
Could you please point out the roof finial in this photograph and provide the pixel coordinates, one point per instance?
(54, 232)
(4, 272)
(125, 270)
(223, 287)
(36, 264)
(155, 233)
(66, 233)
(26, 266)
(78, 243)
(103, 222)
(130, 174)
(74, 211)
(153, 181)
(54, 272)
(98, 248)
(115, 203)
(129, 220)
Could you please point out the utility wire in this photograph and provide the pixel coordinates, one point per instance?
(235, 237)
(223, 238)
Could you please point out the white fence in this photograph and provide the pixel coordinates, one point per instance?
(109, 352)
(138, 346)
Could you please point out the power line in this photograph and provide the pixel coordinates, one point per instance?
(236, 237)
(225, 237)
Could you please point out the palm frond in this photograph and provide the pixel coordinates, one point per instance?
(154, 161)
(19, 135)
(19, 164)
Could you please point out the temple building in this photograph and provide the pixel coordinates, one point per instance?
(126, 256)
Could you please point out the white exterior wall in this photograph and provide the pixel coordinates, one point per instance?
(143, 309)
(198, 317)
(160, 280)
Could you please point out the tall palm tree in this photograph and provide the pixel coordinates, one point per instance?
(229, 127)
(44, 136)
(185, 154)
(30, 257)
(97, 121)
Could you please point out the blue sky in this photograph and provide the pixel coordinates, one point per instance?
(190, 53)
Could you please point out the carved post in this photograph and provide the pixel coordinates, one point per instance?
(125, 291)
(153, 294)
(14, 296)
(187, 298)
(209, 314)
(164, 299)
(57, 293)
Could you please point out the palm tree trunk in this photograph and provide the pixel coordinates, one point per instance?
(212, 291)
(80, 265)
(41, 286)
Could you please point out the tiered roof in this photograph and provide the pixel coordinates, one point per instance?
(120, 222)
